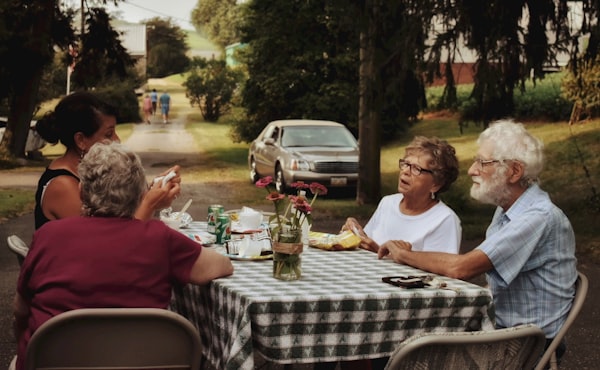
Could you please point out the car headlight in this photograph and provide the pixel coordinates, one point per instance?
(299, 165)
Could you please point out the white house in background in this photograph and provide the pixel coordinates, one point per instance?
(133, 38)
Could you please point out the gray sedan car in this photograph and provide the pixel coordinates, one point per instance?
(305, 150)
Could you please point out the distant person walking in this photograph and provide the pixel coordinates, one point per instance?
(154, 99)
(164, 102)
(147, 107)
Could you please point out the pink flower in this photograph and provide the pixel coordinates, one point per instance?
(264, 182)
(303, 206)
(275, 196)
(297, 204)
(299, 185)
(317, 189)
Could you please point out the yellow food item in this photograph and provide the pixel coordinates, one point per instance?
(348, 239)
(344, 241)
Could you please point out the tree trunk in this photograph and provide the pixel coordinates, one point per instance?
(22, 106)
(369, 124)
(22, 100)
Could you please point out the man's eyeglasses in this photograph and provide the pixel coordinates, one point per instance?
(481, 163)
(415, 169)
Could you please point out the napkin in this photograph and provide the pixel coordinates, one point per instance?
(249, 218)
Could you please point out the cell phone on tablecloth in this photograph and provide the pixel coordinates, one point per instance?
(408, 282)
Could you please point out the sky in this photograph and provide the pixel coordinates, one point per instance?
(135, 11)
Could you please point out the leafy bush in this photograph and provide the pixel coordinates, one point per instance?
(541, 100)
(211, 85)
(582, 88)
(122, 95)
(435, 102)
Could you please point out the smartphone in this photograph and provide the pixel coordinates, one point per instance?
(408, 282)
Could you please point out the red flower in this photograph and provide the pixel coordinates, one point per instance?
(302, 206)
(275, 196)
(317, 188)
(264, 182)
(299, 185)
(297, 204)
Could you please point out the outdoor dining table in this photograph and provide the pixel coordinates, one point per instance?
(338, 310)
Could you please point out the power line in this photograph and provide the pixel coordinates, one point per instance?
(157, 12)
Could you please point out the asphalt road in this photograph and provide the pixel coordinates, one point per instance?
(161, 146)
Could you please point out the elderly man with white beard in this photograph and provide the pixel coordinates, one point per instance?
(528, 255)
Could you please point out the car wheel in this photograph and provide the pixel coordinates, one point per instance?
(253, 174)
(279, 180)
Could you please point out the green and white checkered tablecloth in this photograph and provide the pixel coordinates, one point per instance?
(339, 310)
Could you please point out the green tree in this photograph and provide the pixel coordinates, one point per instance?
(101, 58)
(30, 35)
(302, 62)
(210, 86)
(167, 48)
(218, 19)
(511, 40)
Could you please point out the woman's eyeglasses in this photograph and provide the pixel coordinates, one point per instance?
(415, 169)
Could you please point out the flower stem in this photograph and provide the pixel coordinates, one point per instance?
(313, 199)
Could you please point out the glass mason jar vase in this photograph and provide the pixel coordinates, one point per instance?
(287, 250)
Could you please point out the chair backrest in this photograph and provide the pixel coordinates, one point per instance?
(115, 338)
(18, 247)
(549, 356)
(518, 347)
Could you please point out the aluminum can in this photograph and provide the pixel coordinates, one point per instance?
(223, 229)
(214, 210)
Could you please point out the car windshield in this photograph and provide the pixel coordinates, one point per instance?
(328, 136)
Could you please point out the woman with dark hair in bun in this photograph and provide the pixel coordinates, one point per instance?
(79, 121)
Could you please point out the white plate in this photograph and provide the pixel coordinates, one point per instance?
(202, 237)
(237, 257)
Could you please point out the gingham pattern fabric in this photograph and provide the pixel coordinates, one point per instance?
(339, 310)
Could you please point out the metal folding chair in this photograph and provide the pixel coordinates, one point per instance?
(549, 357)
(517, 348)
(115, 338)
(18, 247)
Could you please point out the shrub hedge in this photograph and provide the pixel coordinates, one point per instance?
(541, 100)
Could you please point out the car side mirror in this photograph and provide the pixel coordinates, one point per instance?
(269, 141)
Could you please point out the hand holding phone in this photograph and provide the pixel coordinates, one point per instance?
(165, 179)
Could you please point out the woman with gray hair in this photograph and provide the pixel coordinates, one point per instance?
(106, 257)
(416, 214)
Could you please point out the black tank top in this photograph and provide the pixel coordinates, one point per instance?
(48, 175)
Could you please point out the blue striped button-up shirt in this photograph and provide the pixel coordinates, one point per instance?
(532, 248)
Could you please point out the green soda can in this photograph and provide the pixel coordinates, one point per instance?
(223, 229)
(214, 210)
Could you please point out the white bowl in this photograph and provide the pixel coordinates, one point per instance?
(174, 221)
